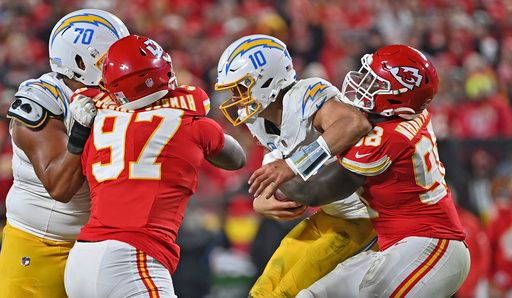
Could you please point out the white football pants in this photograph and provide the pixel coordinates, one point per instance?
(114, 269)
(413, 267)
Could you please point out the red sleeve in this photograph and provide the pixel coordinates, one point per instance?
(209, 135)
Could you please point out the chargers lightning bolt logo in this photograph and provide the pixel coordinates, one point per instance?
(88, 18)
(252, 43)
(311, 93)
(54, 90)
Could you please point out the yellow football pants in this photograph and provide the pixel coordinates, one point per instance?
(31, 267)
(310, 250)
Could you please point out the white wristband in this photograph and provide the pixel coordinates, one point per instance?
(323, 143)
(309, 159)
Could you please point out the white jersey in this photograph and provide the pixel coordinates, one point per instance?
(300, 104)
(29, 206)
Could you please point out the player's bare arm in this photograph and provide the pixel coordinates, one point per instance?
(342, 126)
(231, 157)
(332, 182)
(54, 155)
(59, 170)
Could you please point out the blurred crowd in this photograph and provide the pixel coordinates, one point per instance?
(223, 241)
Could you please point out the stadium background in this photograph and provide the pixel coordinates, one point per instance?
(224, 244)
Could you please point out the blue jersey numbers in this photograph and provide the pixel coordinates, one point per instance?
(258, 59)
(83, 35)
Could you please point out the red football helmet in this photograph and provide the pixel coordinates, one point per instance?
(395, 80)
(137, 72)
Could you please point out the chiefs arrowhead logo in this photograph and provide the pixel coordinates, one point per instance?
(407, 76)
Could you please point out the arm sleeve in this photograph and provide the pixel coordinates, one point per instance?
(210, 136)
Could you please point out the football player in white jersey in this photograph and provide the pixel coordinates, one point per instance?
(41, 224)
(304, 120)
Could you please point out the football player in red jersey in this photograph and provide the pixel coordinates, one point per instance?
(141, 163)
(402, 183)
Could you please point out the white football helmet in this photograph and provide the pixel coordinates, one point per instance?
(255, 68)
(84, 36)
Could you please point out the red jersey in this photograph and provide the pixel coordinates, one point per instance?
(142, 166)
(405, 189)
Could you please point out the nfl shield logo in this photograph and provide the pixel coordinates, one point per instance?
(25, 261)
(149, 82)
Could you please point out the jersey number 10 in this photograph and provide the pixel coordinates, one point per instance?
(258, 59)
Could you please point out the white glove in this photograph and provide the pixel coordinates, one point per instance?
(83, 110)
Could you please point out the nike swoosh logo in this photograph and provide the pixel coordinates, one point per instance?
(361, 155)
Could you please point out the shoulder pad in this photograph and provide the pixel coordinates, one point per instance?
(313, 93)
(46, 94)
(193, 100)
(28, 112)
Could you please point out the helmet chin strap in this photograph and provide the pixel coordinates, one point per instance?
(273, 94)
(279, 86)
(65, 71)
